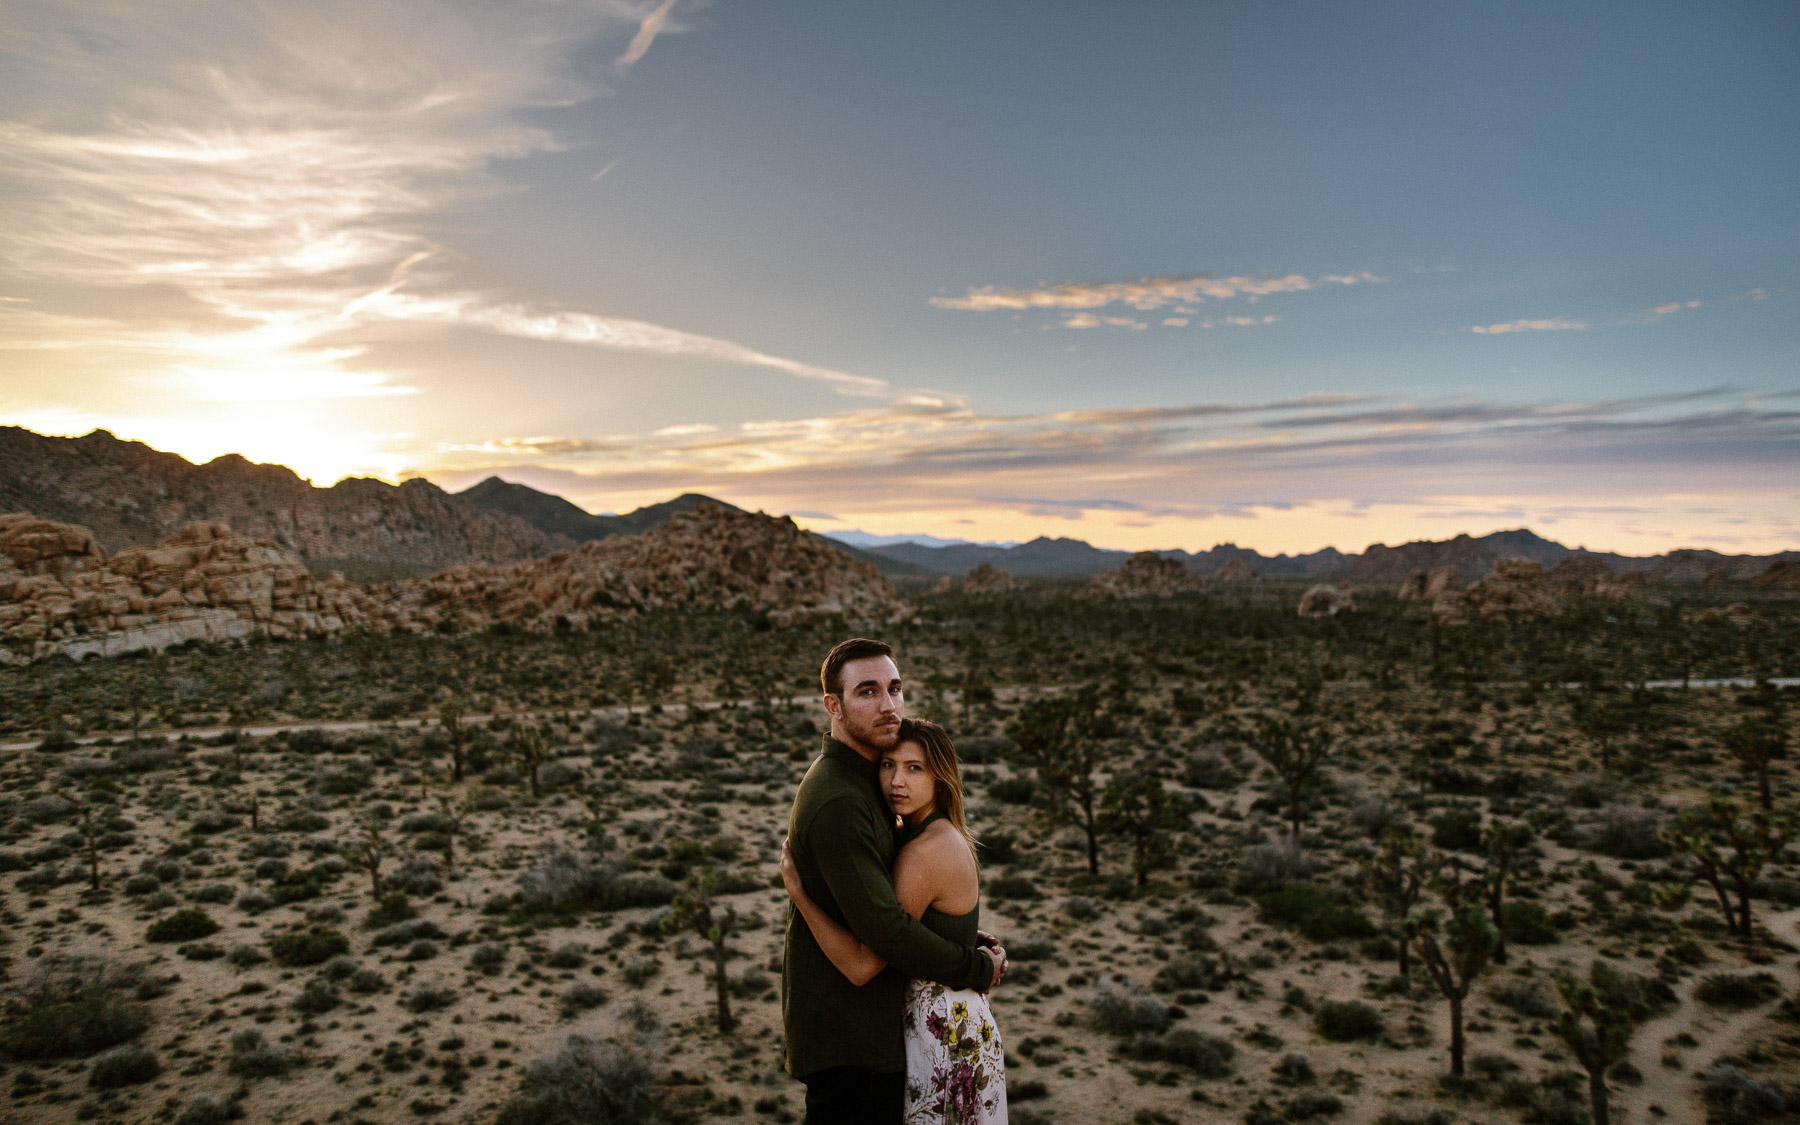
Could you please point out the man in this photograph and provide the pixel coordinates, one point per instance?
(845, 1041)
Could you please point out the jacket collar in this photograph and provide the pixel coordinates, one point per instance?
(839, 752)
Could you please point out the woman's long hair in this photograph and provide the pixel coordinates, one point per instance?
(940, 759)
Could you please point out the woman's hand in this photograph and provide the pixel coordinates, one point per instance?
(790, 874)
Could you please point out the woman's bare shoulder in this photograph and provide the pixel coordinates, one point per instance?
(939, 848)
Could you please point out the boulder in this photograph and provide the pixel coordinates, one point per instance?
(1326, 601)
(1781, 575)
(1237, 570)
(985, 580)
(1144, 575)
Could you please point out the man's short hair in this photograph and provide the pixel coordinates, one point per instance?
(831, 673)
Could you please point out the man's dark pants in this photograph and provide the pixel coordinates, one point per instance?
(852, 1095)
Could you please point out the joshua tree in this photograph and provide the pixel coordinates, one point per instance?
(696, 909)
(450, 717)
(1060, 736)
(1467, 940)
(1596, 1033)
(528, 747)
(1295, 751)
(1601, 722)
(1396, 876)
(90, 838)
(1138, 808)
(456, 808)
(367, 855)
(1731, 847)
(1504, 842)
(1756, 741)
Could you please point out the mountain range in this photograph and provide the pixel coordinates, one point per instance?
(131, 495)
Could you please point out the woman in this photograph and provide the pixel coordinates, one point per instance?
(955, 1069)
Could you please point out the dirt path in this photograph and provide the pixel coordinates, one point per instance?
(1676, 1091)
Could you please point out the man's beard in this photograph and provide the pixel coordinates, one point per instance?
(873, 736)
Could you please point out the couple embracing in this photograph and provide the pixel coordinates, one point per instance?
(884, 973)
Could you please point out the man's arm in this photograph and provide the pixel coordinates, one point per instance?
(843, 846)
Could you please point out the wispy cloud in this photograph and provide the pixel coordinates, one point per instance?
(652, 26)
(1551, 324)
(1144, 295)
(1670, 308)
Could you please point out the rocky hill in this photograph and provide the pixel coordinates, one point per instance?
(128, 495)
(1144, 575)
(62, 592)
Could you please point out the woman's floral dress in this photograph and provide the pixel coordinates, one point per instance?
(955, 1069)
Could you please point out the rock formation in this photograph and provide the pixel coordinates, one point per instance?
(1439, 584)
(61, 593)
(1581, 576)
(708, 558)
(985, 580)
(128, 494)
(1144, 575)
(1783, 575)
(1237, 570)
(1516, 589)
(1326, 601)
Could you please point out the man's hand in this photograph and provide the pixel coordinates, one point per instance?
(997, 952)
(985, 940)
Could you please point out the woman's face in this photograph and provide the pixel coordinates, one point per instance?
(906, 780)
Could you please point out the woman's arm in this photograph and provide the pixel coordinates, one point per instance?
(852, 958)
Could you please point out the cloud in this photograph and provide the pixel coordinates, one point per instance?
(648, 30)
(1669, 308)
(1144, 295)
(1552, 324)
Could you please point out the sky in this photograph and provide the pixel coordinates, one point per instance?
(1152, 275)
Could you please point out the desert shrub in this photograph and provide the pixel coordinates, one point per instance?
(638, 971)
(344, 782)
(1192, 971)
(127, 1065)
(244, 956)
(318, 996)
(1122, 1010)
(142, 885)
(201, 951)
(253, 901)
(270, 869)
(1208, 769)
(207, 1109)
(1733, 1097)
(1031, 949)
(393, 907)
(212, 821)
(309, 947)
(1374, 815)
(429, 997)
(183, 925)
(264, 847)
(339, 968)
(587, 1080)
(300, 886)
(1779, 890)
(429, 822)
(999, 847)
(423, 949)
(1012, 790)
(1642, 997)
(580, 997)
(557, 774)
(1271, 865)
(489, 958)
(1527, 923)
(1307, 908)
(254, 1057)
(1457, 829)
(1305, 1107)
(365, 982)
(1628, 832)
(407, 932)
(567, 881)
(1207, 1055)
(1081, 909)
(417, 876)
(1736, 990)
(214, 893)
(1528, 998)
(569, 956)
(1342, 1021)
(1016, 887)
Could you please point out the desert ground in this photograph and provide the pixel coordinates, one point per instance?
(247, 880)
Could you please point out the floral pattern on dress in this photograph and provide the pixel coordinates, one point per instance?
(955, 1066)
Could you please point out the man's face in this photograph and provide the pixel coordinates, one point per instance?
(871, 706)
